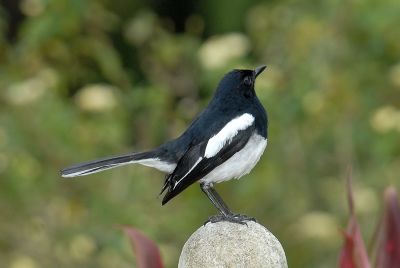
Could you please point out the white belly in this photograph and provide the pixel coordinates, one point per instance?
(240, 163)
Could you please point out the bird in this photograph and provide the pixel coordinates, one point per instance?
(225, 141)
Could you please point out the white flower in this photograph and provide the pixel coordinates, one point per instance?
(96, 98)
(218, 50)
(385, 119)
(32, 89)
(23, 261)
(82, 247)
(317, 225)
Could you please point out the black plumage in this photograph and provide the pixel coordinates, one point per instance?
(224, 141)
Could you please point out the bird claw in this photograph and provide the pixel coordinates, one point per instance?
(234, 218)
(245, 218)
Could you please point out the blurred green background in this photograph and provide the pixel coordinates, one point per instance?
(84, 79)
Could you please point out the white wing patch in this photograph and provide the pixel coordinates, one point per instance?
(227, 133)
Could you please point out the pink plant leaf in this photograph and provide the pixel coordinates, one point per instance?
(388, 239)
(353, 253)
(346, 255)
(147, 252)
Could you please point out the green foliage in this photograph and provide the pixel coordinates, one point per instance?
(84, 79)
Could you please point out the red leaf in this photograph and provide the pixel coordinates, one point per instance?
(346, 255)
(353, 253)
(147, 253)
(388, 240)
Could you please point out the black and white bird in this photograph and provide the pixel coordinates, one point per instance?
(225, 141)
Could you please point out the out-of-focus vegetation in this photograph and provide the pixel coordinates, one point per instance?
(84, 79)
(385, 249)
(146, 251)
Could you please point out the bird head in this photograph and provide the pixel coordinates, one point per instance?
(239, 83)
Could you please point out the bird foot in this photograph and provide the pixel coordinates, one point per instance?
(245, 218)
(234, 218)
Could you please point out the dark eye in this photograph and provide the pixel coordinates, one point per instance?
(247, 81)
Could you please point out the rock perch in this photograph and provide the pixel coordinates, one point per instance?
(226, 244)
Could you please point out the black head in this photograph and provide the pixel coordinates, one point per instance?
(239, 83)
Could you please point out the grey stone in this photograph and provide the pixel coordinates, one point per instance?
(225, 244)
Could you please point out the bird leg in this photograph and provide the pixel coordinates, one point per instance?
(225, 212)
(215, 199)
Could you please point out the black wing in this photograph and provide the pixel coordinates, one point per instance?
(194, 165)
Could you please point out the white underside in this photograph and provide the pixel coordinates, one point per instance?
(158, 164)
(241, 163)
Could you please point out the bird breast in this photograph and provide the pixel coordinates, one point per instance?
(241, 163)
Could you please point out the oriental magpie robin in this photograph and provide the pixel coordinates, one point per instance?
(225, 141)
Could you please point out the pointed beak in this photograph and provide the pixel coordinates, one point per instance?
(259, 70)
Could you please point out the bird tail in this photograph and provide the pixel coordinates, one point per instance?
(144, 158)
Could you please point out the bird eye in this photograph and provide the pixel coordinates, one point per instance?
(247, 81)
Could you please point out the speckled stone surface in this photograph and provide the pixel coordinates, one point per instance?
(226, 244)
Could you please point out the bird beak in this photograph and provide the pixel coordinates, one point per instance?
(259, 70)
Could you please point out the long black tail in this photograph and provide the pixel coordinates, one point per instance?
(145, 158)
